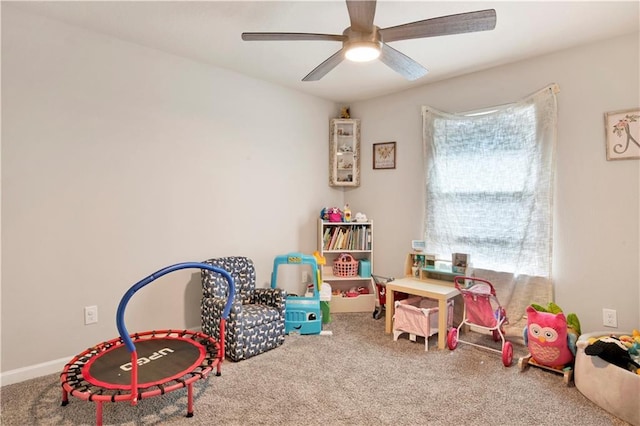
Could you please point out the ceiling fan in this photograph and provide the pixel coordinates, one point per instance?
(363, 41)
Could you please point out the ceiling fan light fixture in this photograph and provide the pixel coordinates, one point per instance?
(362, 41)
(363, 51)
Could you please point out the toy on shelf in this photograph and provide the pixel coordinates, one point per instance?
(331, 214)
(347, 213)
(360, 217)
(334, 214)
(551, 339)
(345, 266)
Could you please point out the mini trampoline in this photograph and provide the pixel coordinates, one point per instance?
(142, 365)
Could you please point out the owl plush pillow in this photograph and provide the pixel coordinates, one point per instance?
(551, 341)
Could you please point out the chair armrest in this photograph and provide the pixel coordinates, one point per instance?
(274, 297)
(211, 309)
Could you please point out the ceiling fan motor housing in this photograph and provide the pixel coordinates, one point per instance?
(362, 46)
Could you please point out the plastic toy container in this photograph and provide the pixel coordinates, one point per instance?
(364, 268)
(345, 266)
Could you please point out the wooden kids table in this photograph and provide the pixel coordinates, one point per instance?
(433, 289)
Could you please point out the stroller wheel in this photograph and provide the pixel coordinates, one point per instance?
(377, 313)
(507, 354)
(452, 338)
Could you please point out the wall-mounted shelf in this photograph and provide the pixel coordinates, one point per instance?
(344, 152)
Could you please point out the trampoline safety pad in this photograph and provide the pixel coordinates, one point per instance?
(159, 359)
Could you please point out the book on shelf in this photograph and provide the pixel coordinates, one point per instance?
(338, 233)
(326, 238)
(341, 234)
(332, 241)
(347, 237)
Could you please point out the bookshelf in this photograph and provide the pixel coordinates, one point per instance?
(355, 239)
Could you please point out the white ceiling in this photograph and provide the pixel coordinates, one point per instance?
(209, 31)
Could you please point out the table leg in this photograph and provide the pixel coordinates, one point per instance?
(442, 322)
(389, 307)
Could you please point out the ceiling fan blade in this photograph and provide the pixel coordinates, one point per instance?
(401, 63)
(291, 37)
(481, 20)
(322, 69)
(361, 14)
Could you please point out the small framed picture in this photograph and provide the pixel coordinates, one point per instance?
(418, 245)
(623, 134)
(384, 155)
(459, 262)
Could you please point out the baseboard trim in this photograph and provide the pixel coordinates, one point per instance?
(33, 371)
(38, 370)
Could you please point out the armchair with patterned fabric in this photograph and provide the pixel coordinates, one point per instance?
(256, 321)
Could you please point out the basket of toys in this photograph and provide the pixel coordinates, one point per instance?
(345, 266)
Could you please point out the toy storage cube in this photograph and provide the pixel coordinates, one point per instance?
(418, 316)
(610, 387)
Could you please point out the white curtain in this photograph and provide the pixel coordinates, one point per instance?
(489, 193)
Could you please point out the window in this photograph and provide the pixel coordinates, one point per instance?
(489, 184)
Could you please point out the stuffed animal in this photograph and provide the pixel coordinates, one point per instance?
(612, 350)
(347, 213)
(632, 343)
(331, 214)
(360, 217)
(550, 337)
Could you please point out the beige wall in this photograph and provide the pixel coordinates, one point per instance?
(597, 205)
(119, 160)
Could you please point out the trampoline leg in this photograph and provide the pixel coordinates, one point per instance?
(65, 398)
(98, 413)
(190, 400)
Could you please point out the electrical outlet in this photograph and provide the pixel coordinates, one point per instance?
(90, 315)
(609, 318)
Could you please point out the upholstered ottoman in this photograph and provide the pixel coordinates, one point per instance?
(611, 387)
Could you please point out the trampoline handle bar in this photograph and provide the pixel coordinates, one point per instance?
(122, 329)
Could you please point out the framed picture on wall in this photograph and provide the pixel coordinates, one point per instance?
(384, 155)
(623, 134)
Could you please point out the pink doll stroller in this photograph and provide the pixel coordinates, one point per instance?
(481, 310)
